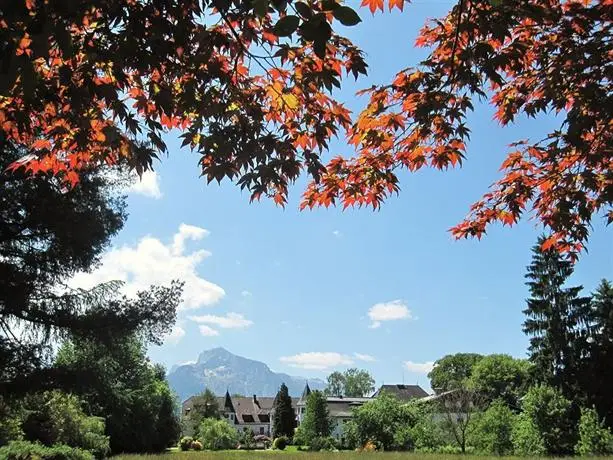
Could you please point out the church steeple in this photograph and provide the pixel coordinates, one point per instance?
(228, 406)
(305, 393)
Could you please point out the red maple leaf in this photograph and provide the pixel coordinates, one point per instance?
(373, 5)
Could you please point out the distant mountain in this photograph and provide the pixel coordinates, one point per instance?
(218, 369)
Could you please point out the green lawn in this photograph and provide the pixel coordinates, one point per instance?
(291, 454)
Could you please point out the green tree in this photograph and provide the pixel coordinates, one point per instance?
(316, 422)
(121, 383)
(335, 384)
(38, 251)
(555, 317)
(493, 430)
(461, 409)
(550, 413)
(353, 383)
(358, 383)
(598, 374)
(217, 434)
(284, 421)
(205, 406)
(386, 422)
(501, 377)
(452, 371)
(594, 437)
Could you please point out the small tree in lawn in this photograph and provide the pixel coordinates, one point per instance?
(316, 422)
(284, 420)
(460, 408)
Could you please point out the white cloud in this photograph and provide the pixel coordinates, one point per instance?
(317, 360)
(208, 331)
(419, 368)
(230, 321)
(246, 293)
(148, 185)
(337, 233)
(153, 262)
(175, 335)
(388, 311)
(364, 357)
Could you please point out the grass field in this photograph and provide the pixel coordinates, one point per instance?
(295, 455)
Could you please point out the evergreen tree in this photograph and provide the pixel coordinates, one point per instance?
(316, 421)
(47, 235)
(556, 318)
(599, 374)
(284, 420)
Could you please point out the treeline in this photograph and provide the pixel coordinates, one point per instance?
(75, 381)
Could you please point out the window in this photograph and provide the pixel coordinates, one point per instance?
(261, 430)
(302, 410)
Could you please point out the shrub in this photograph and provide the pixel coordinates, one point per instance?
(196, 445)
(327, 443)
(24, 450)
(551, 415)
(594, 437)
(526, 438)
(186, 443)
(492, 431)
(247, 439)
(280, 443)
(217, 435)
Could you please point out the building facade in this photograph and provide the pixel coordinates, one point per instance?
(257, 413)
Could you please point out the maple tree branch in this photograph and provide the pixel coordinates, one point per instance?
(455, 42)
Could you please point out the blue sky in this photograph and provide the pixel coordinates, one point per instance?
(294, 289)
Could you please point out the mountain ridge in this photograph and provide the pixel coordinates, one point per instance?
(220, 370)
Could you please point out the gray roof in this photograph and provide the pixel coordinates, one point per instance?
(403, 392)
(343, 407)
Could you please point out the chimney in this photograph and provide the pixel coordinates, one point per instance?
(255, 399)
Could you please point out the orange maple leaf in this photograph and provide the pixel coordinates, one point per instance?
(396, 3)
(373, 5)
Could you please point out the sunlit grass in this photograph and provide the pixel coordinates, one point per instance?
(292, 454)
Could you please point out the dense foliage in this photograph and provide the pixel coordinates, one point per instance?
(452, 371)
(384, 421)
(251, 90)
(316, 422)
(132, 393)
(217, 434)
(502, 377)
(21, 450)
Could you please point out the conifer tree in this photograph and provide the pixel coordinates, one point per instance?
(556, 318)
(284, 420)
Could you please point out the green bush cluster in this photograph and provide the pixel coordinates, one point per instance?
(217, 435)
(280, 443)
(323, 443)
(24, 450)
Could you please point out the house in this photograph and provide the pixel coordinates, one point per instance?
(252, 413)
(341, 408)
(256, 413)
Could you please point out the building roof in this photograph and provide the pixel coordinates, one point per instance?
(253, 410)
(403, 392)
(343, 407)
